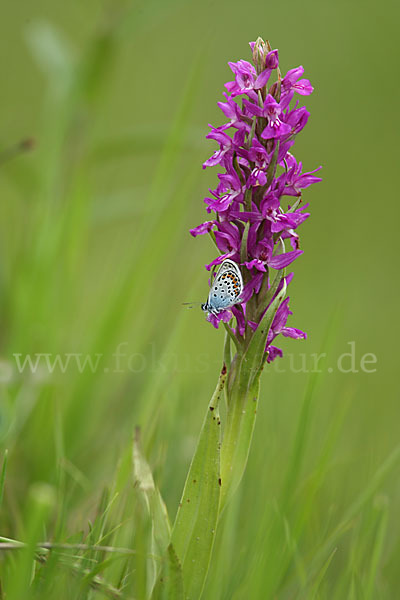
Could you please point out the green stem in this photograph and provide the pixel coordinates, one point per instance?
(243, 247)
(238, 169)
(232, 337)
(238, 433)
(272, 166)
(227, 351)
(247, 200)
(212, 236)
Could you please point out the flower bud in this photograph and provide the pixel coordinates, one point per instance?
(258, 48)
(272, 60)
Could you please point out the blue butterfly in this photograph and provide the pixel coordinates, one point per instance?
(225, 290)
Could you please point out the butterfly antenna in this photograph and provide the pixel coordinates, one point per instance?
(191, 304)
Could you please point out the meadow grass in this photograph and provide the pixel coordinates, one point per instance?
(88, 269)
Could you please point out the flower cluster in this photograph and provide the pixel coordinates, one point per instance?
(257, 203)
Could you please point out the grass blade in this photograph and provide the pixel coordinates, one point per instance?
(377, 551)
(3, 476)
(161, 529)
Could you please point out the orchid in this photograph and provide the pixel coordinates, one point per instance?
(258, 170)
(256, 212)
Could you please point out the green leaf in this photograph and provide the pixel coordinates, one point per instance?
(294, 206)
(161, 529)
(100, 567)
(194, 529)
(320, 575)
(52, 51)
(268, 293)
(170, 583)
(253, 359)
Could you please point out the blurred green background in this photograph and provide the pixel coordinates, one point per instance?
(96, 256)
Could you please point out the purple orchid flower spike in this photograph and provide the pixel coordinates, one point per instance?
(254, 224)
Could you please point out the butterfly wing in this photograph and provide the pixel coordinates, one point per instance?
(226, 288)
(229, 265)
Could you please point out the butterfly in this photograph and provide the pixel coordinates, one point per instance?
(225, 290)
